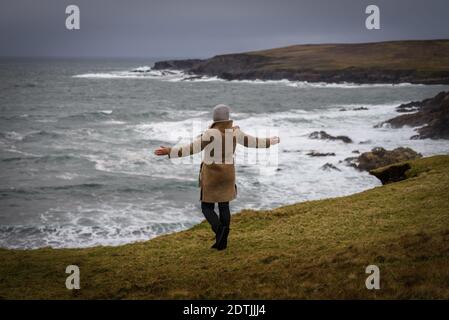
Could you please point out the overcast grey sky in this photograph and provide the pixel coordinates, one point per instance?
(202, 28)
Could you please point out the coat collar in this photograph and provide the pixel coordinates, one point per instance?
(221, 125)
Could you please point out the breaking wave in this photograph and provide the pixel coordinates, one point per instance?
(146, 72)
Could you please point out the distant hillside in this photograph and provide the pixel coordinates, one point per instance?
(425, 61)
(314, 249)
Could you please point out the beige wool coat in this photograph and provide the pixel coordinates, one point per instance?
(217, 171)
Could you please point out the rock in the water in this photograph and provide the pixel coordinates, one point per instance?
(411, 106)
(365, 142)
(329, 167)
(350, 161)
(192, 78)
(379, 157)
(323, 135)
(392, 173)
(432, 117)
(360, 108)
(314, 153)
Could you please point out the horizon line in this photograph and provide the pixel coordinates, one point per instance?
(205, 57)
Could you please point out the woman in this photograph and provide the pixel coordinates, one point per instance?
(217, 172)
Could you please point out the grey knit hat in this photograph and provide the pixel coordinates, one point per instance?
(221, 112)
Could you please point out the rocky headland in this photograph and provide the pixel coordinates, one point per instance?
(415, 61)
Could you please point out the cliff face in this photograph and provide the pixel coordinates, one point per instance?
(176, 64)
(386, 62)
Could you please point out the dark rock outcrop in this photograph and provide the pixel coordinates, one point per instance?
(350, 161)
(392, 173)
(411, 106)
(323, 135)
(379, 157)
(230, 66)
(177, 64)
(432, 117)
(314, 153)
(289, 151)
(329, 167)
(354, 109)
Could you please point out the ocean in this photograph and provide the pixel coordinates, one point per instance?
(77, 137)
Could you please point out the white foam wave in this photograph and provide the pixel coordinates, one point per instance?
(79, 236)
(146, 72)
(46, 120)
(12, 135)
(142, 69)
(28, 154)
(105, 221)
(346, 85)
(137, 73)
(67, 176)
(113, 122)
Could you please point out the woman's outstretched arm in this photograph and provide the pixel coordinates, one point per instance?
(188, 149)
(250, 141)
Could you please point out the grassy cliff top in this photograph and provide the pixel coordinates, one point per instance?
(313, 249)
(419, 55)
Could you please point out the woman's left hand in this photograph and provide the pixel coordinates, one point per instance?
(274, 140)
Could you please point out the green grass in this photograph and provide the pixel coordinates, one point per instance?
(427, 56)
(310, 250)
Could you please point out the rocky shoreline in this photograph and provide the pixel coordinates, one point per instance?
(431, 117)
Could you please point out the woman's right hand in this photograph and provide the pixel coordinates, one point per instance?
(162, 151)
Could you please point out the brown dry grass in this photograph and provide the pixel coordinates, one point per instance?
(423, 56)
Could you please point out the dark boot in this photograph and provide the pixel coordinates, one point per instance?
(216, 238)
(212, 218)
(219, 236)
(214, 246)
(223, 243)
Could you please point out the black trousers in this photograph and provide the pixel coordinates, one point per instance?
(214, 220)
